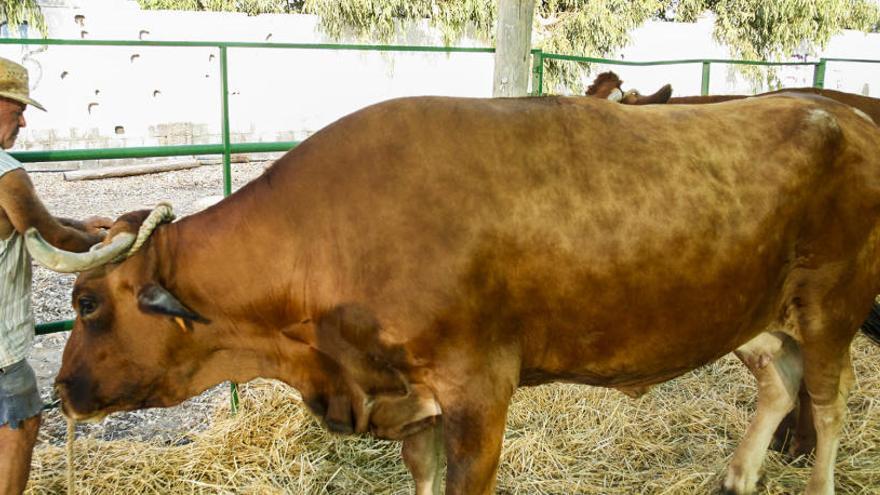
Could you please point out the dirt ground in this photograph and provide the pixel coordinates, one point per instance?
(188, 191)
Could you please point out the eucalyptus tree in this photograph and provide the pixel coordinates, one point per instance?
(752, 29)
(17, 12)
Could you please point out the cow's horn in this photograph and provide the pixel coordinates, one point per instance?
(69, 262)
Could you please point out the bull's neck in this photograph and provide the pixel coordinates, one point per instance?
(229, 264)
(221, 264)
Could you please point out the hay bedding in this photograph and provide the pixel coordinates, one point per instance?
(561, 439)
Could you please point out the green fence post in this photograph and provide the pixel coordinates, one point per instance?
(224, 93)
(704, 85)
(227, 171)
(819, 74)
(537, 72)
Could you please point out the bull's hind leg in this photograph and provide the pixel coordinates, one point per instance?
(828, 376)
(423, 456)
(826, 325)
(775, 361)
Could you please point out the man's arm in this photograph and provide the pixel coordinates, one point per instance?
(74, 224)
(90, 225)
(19, 200)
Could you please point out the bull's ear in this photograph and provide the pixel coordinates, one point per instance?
(153, 298)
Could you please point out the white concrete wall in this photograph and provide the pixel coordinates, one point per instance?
(107, 96)
(172, 95)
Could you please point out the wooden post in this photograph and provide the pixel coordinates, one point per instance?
(513, 40)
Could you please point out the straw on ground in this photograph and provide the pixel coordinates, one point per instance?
(561, 439)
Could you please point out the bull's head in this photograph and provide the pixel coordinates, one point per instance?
(126, 349)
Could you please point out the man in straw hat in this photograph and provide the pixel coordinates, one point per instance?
(20, 208)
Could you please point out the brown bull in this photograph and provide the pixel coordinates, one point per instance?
(409, 266)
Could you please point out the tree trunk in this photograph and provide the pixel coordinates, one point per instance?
(513, 43)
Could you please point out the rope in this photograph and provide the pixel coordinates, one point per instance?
(162, 213)
(71, 435)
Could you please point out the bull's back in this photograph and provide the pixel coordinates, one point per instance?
(871, 106)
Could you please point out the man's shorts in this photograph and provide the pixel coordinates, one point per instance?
(19, 397)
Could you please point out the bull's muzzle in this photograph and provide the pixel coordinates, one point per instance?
(78, 398)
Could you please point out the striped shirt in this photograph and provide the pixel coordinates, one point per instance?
(16, 316)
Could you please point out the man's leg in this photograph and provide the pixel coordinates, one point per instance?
(20, 408)
(16, 447)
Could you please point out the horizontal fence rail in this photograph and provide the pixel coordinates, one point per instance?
(149, 151)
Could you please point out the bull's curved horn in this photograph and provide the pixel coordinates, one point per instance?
(69, 262)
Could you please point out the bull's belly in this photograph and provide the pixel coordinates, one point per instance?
(649, 348)
(613, 373)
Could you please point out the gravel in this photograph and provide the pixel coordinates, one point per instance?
(189, 191)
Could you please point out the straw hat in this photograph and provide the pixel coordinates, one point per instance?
(14, 83)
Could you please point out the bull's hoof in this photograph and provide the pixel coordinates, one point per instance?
(740, 482)
(723, 490)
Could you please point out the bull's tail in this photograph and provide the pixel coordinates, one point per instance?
(871, 325)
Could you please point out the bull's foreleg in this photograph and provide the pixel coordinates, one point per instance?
(776, 363)
(474, 399)
(423, 455)
(473, 448)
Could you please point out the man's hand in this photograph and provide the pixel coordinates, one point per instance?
(93, 228)
(97, 225)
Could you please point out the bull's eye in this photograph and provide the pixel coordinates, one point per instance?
(86, 305)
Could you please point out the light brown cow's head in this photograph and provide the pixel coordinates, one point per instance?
(130, 331)
(609, 86)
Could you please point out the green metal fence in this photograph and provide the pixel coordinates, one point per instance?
(227, 148)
